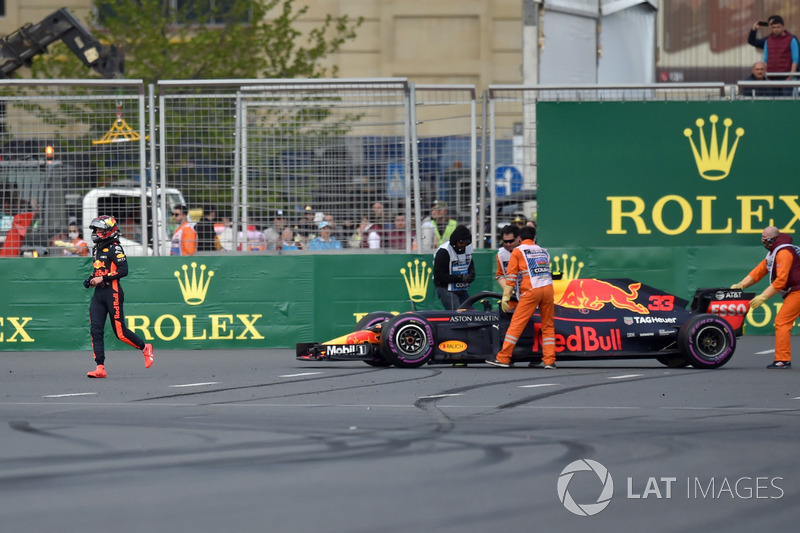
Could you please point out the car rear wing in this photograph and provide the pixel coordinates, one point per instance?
(729, 304)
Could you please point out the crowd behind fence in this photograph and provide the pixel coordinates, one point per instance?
(285, 166)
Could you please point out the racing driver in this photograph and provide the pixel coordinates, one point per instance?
(109, 265)
(783, 266)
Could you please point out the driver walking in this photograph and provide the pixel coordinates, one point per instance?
(109, 265)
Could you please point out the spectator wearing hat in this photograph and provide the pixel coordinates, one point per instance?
(273, 233)
(325, 240)
(306, 229)
(437, 228)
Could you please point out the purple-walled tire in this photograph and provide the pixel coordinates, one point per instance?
(706, 341)
(407, 341)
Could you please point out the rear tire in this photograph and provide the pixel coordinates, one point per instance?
(367, 322)
(407, 341)
(706, 341)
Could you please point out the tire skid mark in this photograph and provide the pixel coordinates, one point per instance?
(284, 382)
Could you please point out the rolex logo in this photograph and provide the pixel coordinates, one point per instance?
(714, 159)
(417, 279)
(569, 271)
(194, 289)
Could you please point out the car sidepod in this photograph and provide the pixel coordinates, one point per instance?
(373, 320)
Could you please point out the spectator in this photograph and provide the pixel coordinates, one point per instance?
(75, 245)
(184, 240)
(432, 235)
(753, 39)
(337, 232)
(273, 234)
(307, 228)
(396, 237)
(759, 73)
(534, 288)
(373, 236)
(379, 216)
(325, 240)
(781, 50)
(453, 269)
(206, 236)
(226, 234)
(288, 240)
(253, 240)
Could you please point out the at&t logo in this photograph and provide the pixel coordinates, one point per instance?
(586, 509)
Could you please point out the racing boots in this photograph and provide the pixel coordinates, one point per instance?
(99, 372)
(148, 355)
(781, 365)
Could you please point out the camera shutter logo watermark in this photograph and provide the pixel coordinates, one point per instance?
(587, 509)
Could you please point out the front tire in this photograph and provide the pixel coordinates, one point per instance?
(706, 341)
(407, 341)
(368, 321)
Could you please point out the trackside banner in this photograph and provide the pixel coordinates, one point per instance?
(667, 174)
(276, 301)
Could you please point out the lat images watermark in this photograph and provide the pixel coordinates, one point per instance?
(593, 478)
(586, 509)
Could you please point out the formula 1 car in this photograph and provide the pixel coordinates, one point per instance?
(594, 319)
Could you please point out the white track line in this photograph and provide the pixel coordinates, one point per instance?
(298, 375)
(439, 396)
(72, 394)
(196, 384)
(538, 385)
(626, 376)
(766, 351)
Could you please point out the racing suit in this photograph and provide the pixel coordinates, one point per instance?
(109, 261)
(529, 270)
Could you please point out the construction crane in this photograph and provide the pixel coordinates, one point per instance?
(20, 47)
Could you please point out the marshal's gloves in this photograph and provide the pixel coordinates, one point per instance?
(737, 286)
(508, 291)
(468, 278)
(87, 283)
(759, 300)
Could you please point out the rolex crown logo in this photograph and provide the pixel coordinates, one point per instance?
(714, 160)
(569, 271)
(194, 289)
(417, 279)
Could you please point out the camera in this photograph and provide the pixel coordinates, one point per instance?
(763, 24)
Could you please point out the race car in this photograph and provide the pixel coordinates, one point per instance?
(594, 319)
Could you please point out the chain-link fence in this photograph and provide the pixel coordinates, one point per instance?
(284, 166)
(70, 150)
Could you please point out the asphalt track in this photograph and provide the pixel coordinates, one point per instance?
(244, 441)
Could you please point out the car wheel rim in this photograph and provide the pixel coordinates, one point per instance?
(710, 342)
(410, 341)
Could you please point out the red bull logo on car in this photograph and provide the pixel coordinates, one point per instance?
(594, 294)
(583, 339)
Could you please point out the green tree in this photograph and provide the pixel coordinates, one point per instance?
(207, 40)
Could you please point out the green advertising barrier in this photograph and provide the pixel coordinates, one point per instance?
(218, 302)
(222, 302)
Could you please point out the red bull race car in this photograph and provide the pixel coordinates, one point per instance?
(594, 319)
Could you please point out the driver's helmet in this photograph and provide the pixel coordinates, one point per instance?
(104, 228)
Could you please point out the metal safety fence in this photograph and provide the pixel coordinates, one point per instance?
(281, 166)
